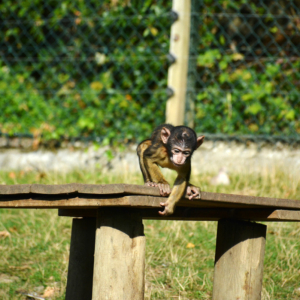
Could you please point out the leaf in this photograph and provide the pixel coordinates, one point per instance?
(246, 75)
(190, 245)
(12, 175)
(254, 108)
(100, 58)
(223, 65)
(96, 85)
(247, 97)
(273, 29)
(4, 234)
(237, 56)
(49, 292)
(208, 58)
(290, 115)
(223, 77)
(253, 127)
(154, 31)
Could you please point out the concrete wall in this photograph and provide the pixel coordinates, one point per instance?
(211, 156)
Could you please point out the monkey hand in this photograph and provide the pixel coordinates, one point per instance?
(193, 192)
(164, 188)
(169, 209)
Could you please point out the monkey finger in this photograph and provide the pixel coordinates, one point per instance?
(168, 189)
(162, 204)
(194, 196)
(189, 191)
(165, 212)
(161, 189)
(164, 189)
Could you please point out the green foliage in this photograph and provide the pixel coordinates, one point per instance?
(21, 104)
(90, 69)
(247, 80)
(83, 68)
(244, 100)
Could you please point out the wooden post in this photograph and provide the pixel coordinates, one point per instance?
(177, 75)
(81, 262)
(119, 255)
(239, 260)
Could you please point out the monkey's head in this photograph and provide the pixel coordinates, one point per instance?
(181, 142)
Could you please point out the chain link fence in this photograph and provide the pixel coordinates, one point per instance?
(83, 69)
(245, 76)
(97, 70)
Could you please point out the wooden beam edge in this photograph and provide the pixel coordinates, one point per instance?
(187, 214)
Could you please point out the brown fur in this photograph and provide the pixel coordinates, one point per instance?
(153, 153)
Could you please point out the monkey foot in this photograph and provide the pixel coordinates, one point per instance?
(193, 192)
(164, 188)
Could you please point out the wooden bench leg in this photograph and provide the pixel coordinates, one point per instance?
(119, 255)
(239, 260)
(81, 262)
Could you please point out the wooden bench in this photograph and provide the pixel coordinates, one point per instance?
(107, 254)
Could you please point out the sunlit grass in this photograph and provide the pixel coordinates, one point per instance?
(35, 254)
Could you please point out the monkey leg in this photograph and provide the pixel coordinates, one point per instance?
(177, 193)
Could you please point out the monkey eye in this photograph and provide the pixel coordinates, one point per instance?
(176, 151)
(186, 153)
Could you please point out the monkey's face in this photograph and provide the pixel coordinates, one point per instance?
(180, 155)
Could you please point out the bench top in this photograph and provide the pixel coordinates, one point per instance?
(84, 199)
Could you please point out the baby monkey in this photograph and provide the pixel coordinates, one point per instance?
(169, 147)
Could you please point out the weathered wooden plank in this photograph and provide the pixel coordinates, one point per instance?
(69, 203)
(250, 200)
(202, 214)
(239, 260)
(287, 215)
(119, 255)
(48, 189)
(130, 189)
(88, 195)
(93, 202)
(101, 189)
(141, 201)
(135, 189)
(14, 189)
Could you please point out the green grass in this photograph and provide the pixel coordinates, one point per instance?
(35, 254)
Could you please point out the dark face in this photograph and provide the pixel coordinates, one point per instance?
(180, 155)
(181, 143)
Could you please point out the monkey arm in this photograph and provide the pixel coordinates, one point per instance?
(156, 176)
(150, 170)
(177, 193)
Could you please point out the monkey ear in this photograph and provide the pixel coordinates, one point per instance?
(165, 134)
(200, 140)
